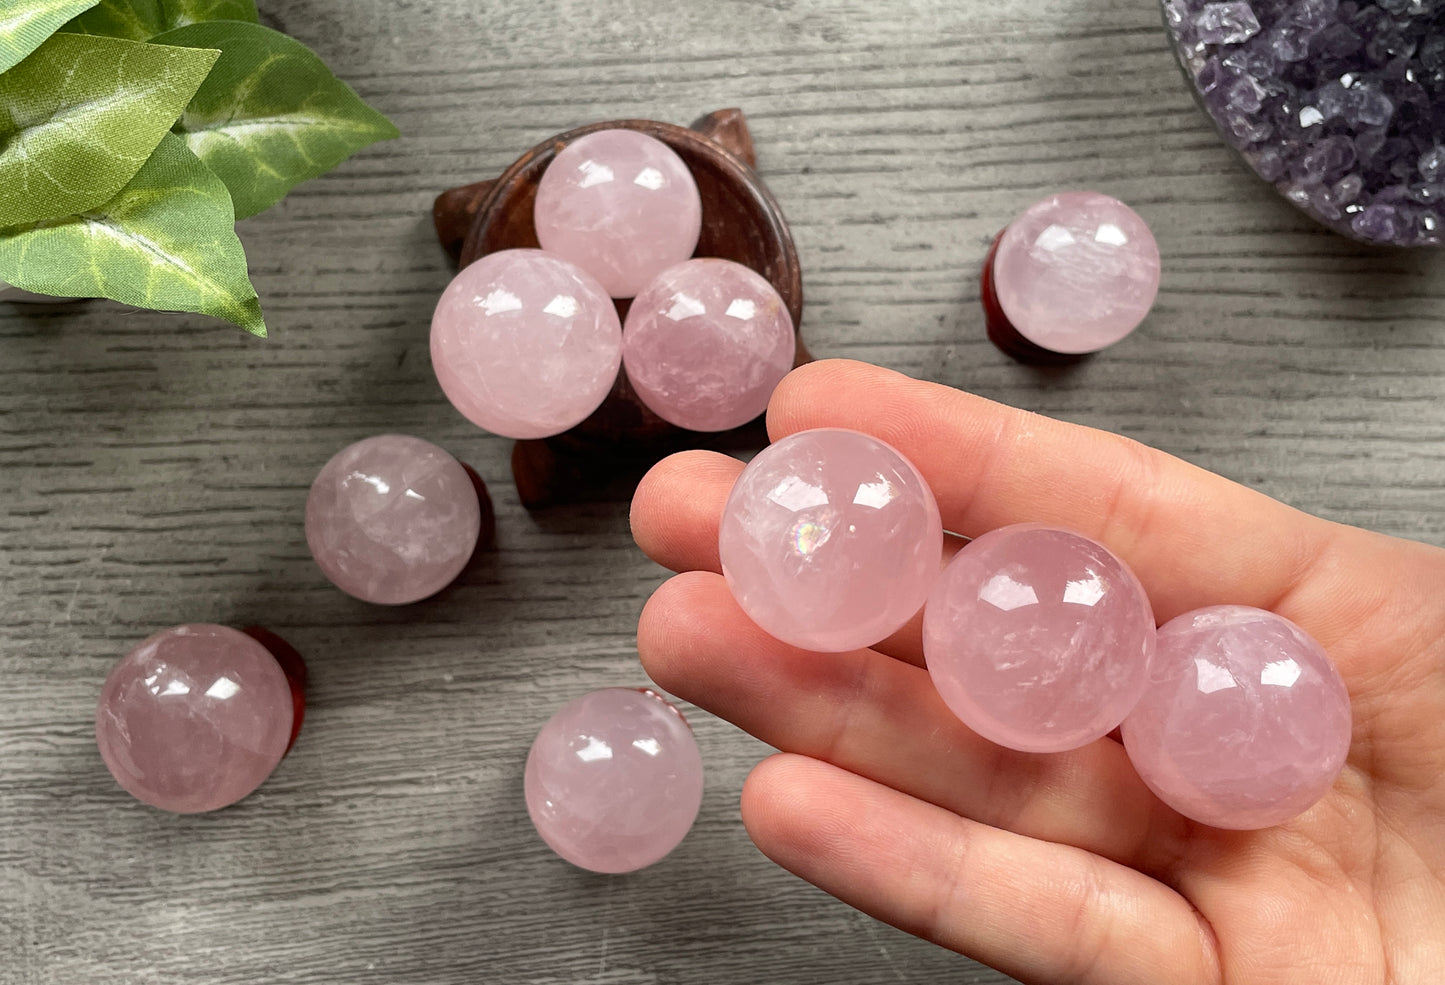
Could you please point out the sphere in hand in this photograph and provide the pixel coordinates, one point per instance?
(392, 519)
(706, 343)
(830, 540)
(614, 780)
(1245, 723)
(1037, 638)
(621, 205)
(525, 344)
(194, 718)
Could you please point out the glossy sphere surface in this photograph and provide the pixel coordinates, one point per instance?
(621, 205)
(392, 519)
(1076, 272)
(194, 718)
(1039, 639)
(830, 540)
(706, 343)
(1246, 722)
(614, 780)
(524, 344)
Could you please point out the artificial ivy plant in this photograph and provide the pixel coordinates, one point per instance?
(133, 135)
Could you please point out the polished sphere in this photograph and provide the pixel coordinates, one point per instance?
(194, 718)
(830, 540)
(524, 344)
(614, 780)
(621, 205)
(1037, 638)
(1076, 272)
(392, 519)
(1246, 722)
(706, 343)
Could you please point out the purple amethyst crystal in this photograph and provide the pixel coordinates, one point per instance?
(1340, 104)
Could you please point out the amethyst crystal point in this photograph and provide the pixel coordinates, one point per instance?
(1340, 104)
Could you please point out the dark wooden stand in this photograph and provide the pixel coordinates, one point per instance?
(1001, 332)
(740, 221)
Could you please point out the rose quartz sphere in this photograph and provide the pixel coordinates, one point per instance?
(1038, 638)
(524, 344)
(614, 780)
(392, 519)
(621, 205)
(1246, 722)
(194, 718)
(1076, 272)
(830, 540)
(706, 343)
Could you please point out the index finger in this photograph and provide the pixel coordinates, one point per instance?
(1193, 537)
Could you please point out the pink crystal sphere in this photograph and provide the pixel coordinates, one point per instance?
(621, 205)
(194, 718)
(392, 519)
(1246, 722)
(830, 540)
(1076, 272)
(614, 780)
(1038, 639)
(524, 344)
(706, 343)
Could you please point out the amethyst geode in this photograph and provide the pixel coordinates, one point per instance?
(1339, 104)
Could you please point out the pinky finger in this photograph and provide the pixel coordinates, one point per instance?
(1038, 911)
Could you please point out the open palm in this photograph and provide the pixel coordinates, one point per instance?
(1065, 868)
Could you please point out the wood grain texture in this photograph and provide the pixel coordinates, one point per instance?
(153, 470)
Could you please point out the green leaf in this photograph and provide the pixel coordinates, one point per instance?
(167, 241)
(24, 24)
(141, 20)
(270, 115)
(81, 115)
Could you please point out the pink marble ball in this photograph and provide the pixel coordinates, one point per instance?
(830, 540)
(614, 780)
(706, 343)
(1038, 639)
(392, 519)
(194, 718)
(1075, 272)
(621, 205)
(525, 344)
(1246, 722)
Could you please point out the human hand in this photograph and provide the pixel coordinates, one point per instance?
(1065, 868)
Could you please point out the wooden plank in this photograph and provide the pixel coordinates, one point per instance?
(153, 470)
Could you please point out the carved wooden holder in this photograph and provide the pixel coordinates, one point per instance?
(740, 221)
(293, 666)
(1002, 333)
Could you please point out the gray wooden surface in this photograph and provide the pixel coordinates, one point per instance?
(153, 470)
